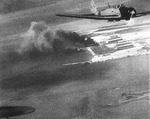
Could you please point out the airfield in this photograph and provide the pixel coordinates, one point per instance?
(81, 85)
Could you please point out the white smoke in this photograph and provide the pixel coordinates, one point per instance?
(38, 37)
(94, 9)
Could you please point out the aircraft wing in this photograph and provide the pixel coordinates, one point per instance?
(97, 17)
(142, 14)
(91, 16)
(77, 63)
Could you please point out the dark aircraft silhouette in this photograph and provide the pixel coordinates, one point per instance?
(115, 13)
(11, 111)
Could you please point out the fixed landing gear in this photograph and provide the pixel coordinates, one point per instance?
(116, 20)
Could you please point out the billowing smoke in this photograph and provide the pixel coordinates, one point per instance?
(38, 38)
(41, 38)
(41, 41)
(73, 39)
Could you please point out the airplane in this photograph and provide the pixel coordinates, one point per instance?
(115, 13)
(129, 97)
(11, 111)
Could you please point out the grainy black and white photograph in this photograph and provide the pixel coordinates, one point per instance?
(74, 59)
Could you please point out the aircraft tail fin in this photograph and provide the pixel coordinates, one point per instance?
(94, 9)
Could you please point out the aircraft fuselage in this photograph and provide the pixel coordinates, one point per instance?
(122, 11)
